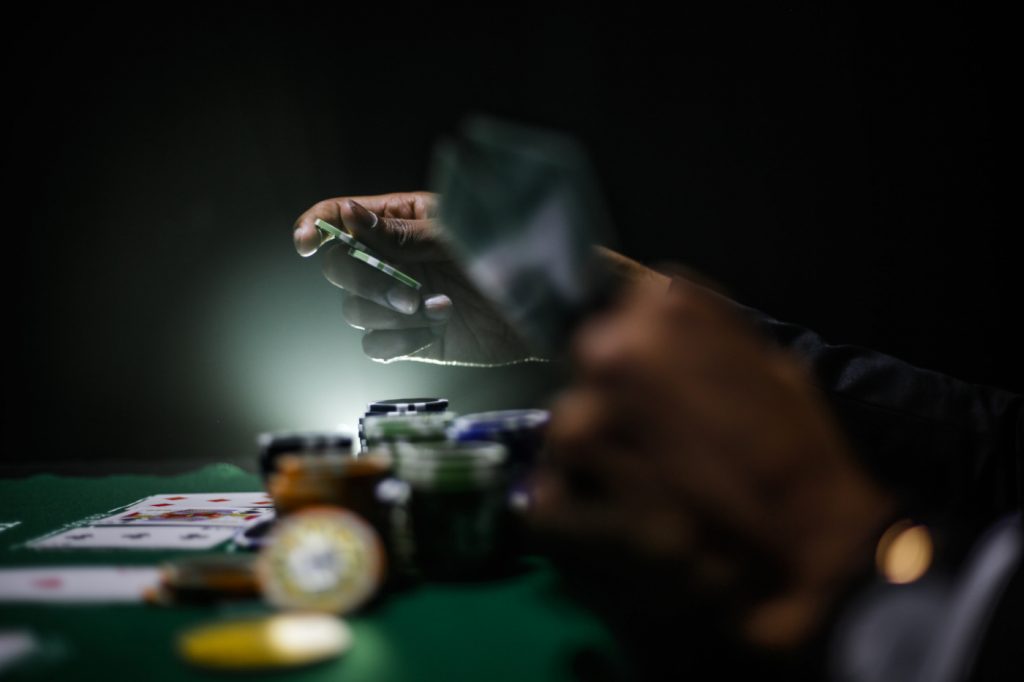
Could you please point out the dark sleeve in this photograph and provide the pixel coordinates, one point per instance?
(942, 444)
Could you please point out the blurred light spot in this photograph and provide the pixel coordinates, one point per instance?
(904, 553)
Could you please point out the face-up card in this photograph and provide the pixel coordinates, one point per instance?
(170, 501)
(77, 584)
(234, 518)
(143, 537)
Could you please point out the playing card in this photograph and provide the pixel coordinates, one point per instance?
(130, 537)
(77, 583)
(524, 210)
(203, 501)
(235, 518)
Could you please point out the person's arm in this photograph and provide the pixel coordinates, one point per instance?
(939, 442)
(943, 445)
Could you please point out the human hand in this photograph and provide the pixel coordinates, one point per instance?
(448, 321)
(688, 443)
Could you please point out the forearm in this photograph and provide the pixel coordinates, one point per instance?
(943, 443)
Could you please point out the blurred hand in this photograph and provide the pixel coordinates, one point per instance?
(447, 321)
(688, 443)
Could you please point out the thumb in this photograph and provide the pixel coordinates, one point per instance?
(396, 238)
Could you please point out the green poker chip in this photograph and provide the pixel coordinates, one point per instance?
(428, 426)
(450, 466)
(340, 235)
(386, 268)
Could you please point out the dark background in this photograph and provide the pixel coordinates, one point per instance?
(840, 168)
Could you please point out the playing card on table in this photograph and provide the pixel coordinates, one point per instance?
(130, 537)
(203, 501)
(76, 584)
(234, 518)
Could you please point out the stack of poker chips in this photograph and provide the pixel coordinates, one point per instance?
(456, 506)
(304, 480)
(521, 431)
(408, 408)
(386, 432)
(276, 444)
(273, 447)
(205, 579)
(387, 425)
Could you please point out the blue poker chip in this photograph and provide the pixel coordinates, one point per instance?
(484, 424)
(521, 431)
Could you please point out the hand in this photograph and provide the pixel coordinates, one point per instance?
(448, 321)
(689, 443)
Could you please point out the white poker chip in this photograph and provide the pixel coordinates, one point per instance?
(321, 559)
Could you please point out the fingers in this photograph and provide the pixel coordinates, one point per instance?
(360, 279)
(391, 344)
(307, 237)
(397, 237)
(403, 212)
(407, 205)
(365, 314)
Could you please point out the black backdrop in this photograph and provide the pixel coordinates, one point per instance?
(839, 168)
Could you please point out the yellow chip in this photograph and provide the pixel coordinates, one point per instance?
(321, 559)
(280, 641)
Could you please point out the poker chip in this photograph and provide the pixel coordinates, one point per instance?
(449, 465)
(399, 407)
(488, 425)
(405, 405)
(321, 559)
(521, 431)
(393, 428)
(266, 642)
(386, 268)
(455, 504)
(340, 235)
(204, 579)
(272, 445)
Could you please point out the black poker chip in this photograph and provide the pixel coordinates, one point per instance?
(406, 405)
(273, 445)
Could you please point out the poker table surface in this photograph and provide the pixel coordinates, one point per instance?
(515, 628)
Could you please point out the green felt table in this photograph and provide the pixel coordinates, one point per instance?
(517, 628)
